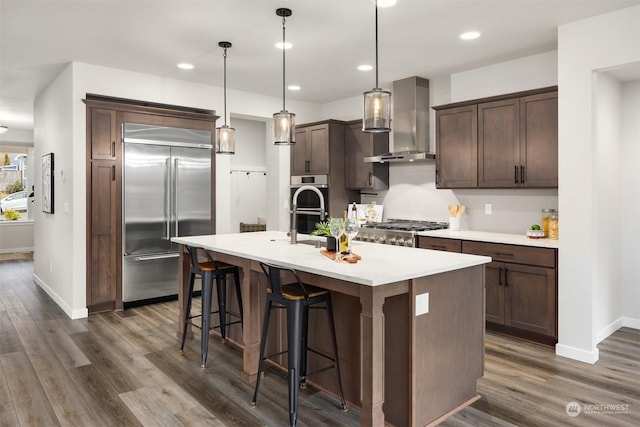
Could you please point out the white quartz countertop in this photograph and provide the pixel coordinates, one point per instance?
(380, 264)
(483, 236)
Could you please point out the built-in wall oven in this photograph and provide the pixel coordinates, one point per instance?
(308, 202)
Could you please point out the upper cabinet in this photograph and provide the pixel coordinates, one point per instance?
(507, 141)
(103, 133)
(457, 147)
(310, 153)
(361, 175)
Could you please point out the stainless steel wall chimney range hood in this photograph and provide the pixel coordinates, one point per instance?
(410, 123)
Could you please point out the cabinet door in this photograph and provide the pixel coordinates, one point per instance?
(457, 147)
(299, 165)
(360, 175)
(498, 144)
(318, 154)
(494, 292)
(530, 298)
(539, 140)
(101, 292)
(103, 134)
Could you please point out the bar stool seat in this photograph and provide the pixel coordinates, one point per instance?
(296, 298)
(208, 271)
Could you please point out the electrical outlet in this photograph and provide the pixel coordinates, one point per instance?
(487, 208)
(422, 304)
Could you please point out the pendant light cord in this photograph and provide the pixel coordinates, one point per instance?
(283, 63)
(225, 87)
(376, 2)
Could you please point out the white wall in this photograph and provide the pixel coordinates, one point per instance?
(58, 260)
(60, 127)
(512, 76)
(597, 43)
(630, 183)
(607, 197)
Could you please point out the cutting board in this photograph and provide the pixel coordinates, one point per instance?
(352, 258)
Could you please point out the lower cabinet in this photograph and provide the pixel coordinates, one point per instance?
(521, 296)
(520, 286)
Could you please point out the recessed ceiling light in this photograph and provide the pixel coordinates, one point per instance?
(470, 35)
(293, 87)
(387, 3)
(185, 66)
(365, 67)
(3, 129)
(287, 45)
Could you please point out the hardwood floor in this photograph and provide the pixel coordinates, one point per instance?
(123, 368)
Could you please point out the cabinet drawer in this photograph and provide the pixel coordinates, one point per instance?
(543, 257)
(440, 244)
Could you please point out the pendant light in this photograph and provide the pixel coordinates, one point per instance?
(225, 135)
(377, 102)
(284, 122)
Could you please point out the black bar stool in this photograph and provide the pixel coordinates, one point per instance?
(296, 298)
(208, 271)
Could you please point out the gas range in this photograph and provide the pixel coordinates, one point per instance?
(399, 232)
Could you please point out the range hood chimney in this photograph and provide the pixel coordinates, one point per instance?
(410, 122)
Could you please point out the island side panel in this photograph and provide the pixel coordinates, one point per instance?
(448, 343)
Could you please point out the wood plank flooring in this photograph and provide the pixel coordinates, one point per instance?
(123, 369)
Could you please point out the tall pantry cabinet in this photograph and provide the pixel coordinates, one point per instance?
(105, 116)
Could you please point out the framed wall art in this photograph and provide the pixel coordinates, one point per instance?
(47, 183)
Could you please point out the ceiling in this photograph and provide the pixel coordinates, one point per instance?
(330, 39)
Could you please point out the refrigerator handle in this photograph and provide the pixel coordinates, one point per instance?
(175, 194)
(167, 197)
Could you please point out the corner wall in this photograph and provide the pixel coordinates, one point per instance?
(597, 43)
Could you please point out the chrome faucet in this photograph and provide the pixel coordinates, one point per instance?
(294, 210)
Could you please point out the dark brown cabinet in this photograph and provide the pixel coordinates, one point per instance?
(103, 134)
(520, 286)
(457, 147)
(440, 244)
(361, 175)
(103, 267)
(507, 141)
(521, 289)
(310, 153)
(104, 207)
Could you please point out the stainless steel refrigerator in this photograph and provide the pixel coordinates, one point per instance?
(167, 193)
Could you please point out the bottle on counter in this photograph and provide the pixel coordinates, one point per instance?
(545, 220)
(554, 226)
(344, 239)
(354, 212)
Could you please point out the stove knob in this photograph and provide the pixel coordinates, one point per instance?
(392, 240)
(400, 241)
(408, 243)
(380, 239)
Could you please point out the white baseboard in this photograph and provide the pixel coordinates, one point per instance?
(16, 250)
(614, 326)
(78, 313)
(578, 354)
(628, 322)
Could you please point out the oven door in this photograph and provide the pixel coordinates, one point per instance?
(309, 199)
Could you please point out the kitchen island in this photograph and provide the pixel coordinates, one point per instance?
(410, 322)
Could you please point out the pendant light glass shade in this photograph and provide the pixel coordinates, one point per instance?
(377, 102)
(377, 111)
(284, 122)
(225, 135)
(225, 140)
(284, 128)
